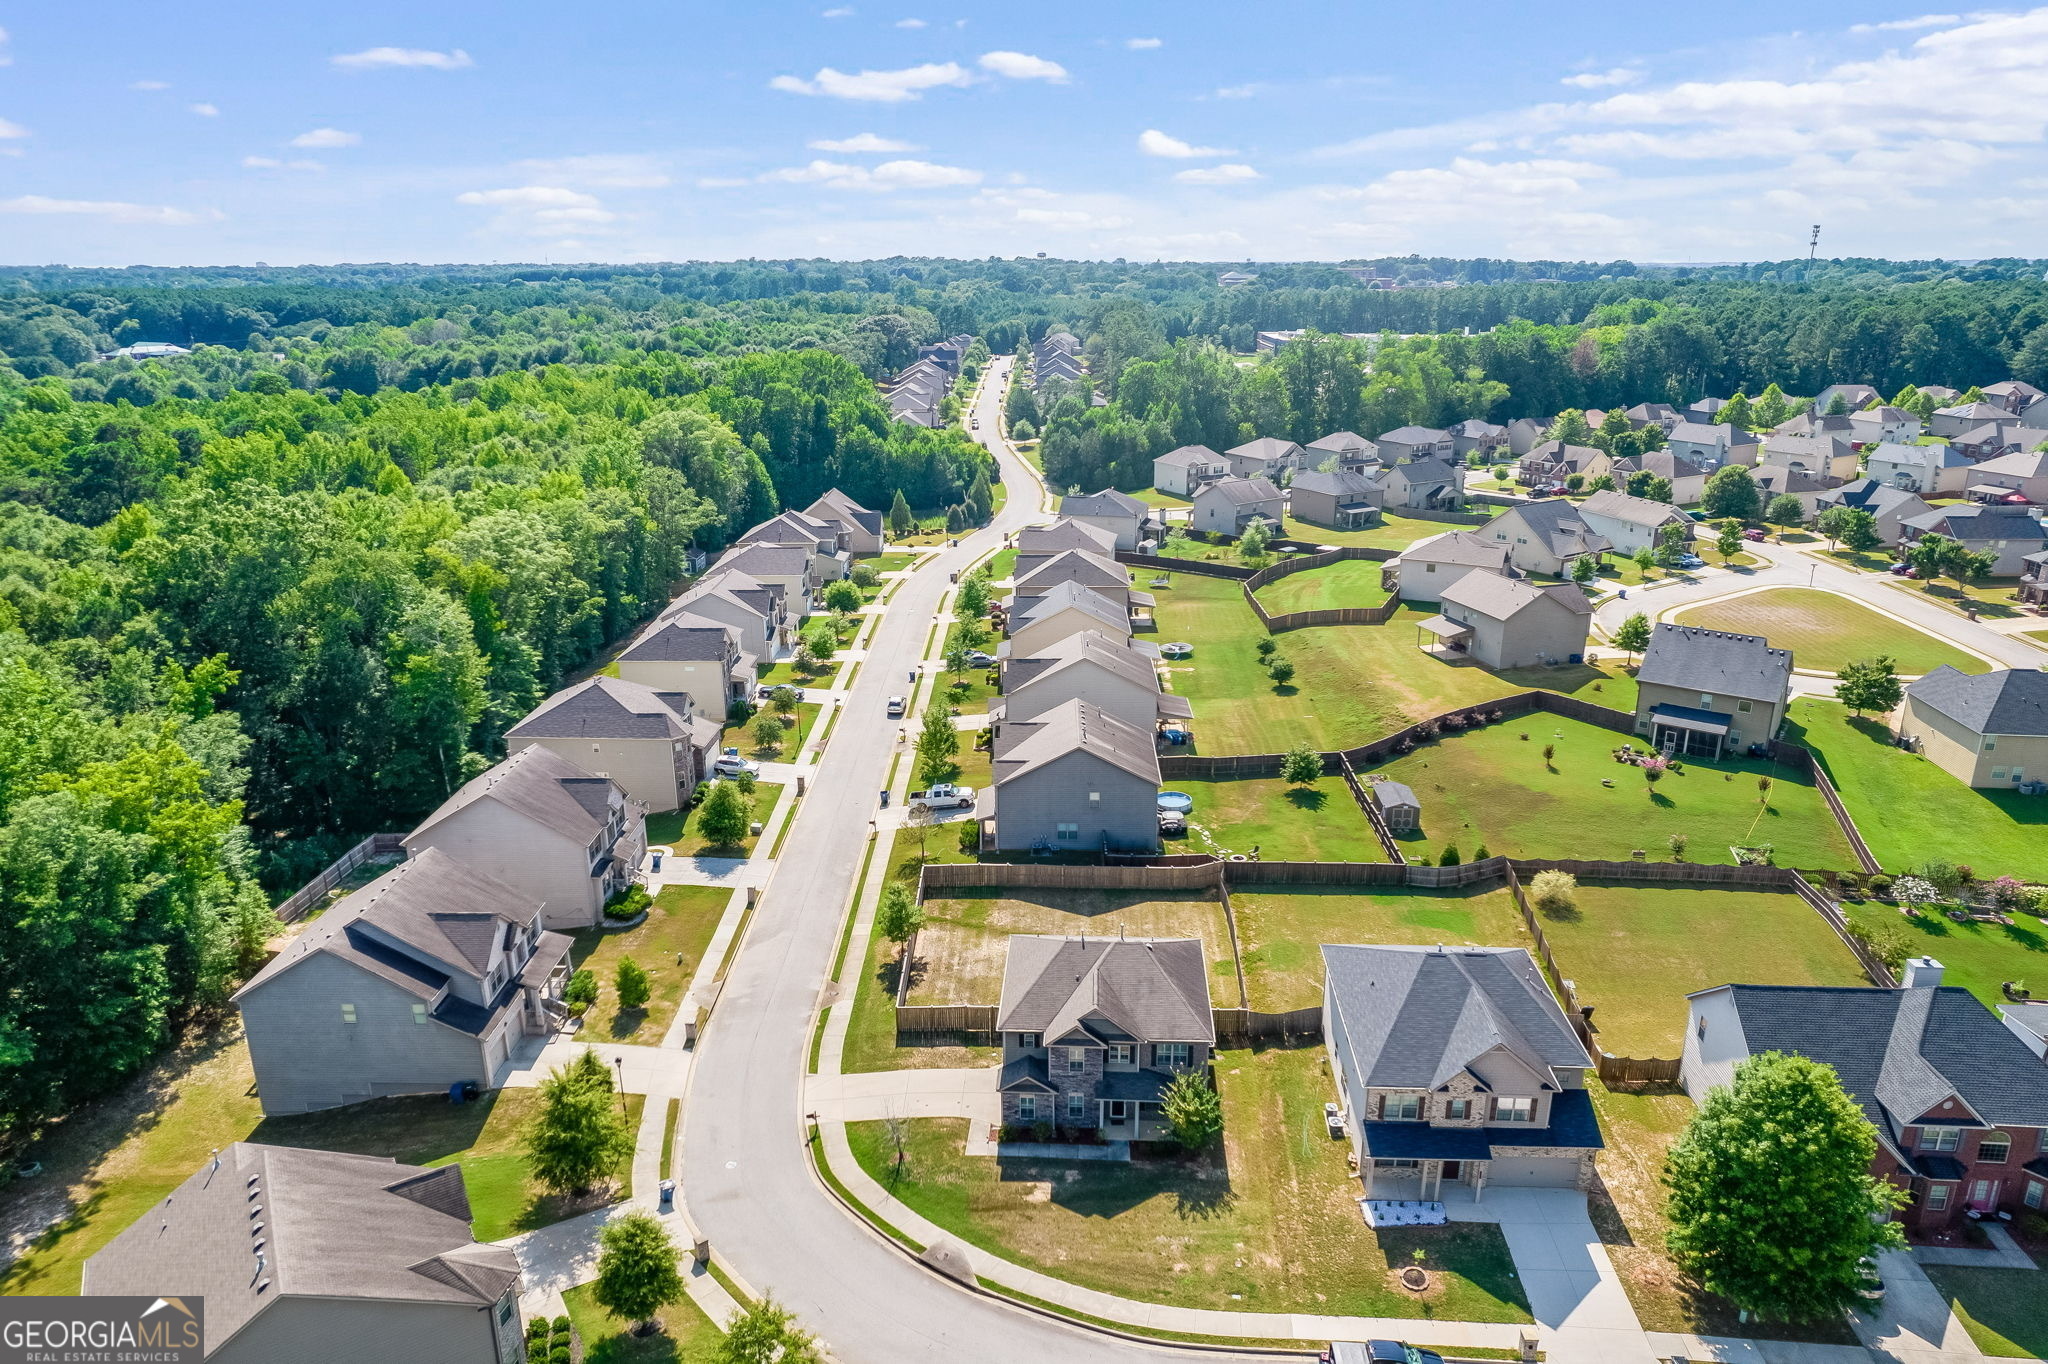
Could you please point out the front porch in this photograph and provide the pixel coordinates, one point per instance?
(1421, 1180)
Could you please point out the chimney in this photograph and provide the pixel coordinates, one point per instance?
(1922, 973)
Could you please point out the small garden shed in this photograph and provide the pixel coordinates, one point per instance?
(1398, 806)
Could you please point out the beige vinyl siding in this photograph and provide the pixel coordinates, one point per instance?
(707, 684)
(646, 768)
(1097, 686)
(1038, 636)
(531, 857)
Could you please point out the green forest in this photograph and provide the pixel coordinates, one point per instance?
(262, 599)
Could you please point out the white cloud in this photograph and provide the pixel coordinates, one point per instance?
(273, 163)
(6, 57)
(205, 110)
(1908, 25)
(8, 130)
(622, 170)
(881, 87)
(327, 137)
(154, 215)
(372, 58)
(1236, 91)
(1143, 44)
(889, 176)
(1021, 66)
(910, 23)
(1152, 142)
(838, 12)
(1227, 174)
(541, 209)
(1595, 80)
(861, 142)
(149, 85)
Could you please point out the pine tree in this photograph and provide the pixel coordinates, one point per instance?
(901, 521)
(581, 1133)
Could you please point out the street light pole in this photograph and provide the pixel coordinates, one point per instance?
(620, 1062)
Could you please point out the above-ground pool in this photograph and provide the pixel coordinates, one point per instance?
(1178, 650)
(1179, 801)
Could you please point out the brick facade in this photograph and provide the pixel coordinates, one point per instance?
(2008, 1178)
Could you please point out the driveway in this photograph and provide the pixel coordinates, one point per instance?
(1578, 1301)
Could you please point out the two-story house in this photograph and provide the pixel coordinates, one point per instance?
(1183, 470)
(1075, 779)
(860, 528)
(1950, 422)
(1036, 544)
(1067, 609)
(1083, 568)
(1427, 567)
(1472, 434)
(1422, 485)
(1126, 518)
(1404, 443)
(1268, 457)
(1228, 505)
(1339, 499)
(1830, 456)
(1988, 730)
(696, 656)
(1094, 1029)
(1883, 425)
(2014, 395)
(1959, 1103)
(2022, 475)
(1340, 449)
(1688, 480)
(1929, 470)
(1510, 622)
(1889, 506)
(1554, 461)
(1633, 523)
(758, 611)
(1545, 536)
(653, 744)
(1702, 693)
(2007, 534)
(543, 825)
(430, 976)
(793, 568)
(826, 541)
(1090, 666)
(1713, 444)
(1455, 1066)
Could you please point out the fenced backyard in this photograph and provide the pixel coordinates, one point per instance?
(339, 873)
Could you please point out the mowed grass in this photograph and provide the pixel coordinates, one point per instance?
(1266, 1223)
(1394, 531)
(1976, 956)
(677, 829)
(2004, 1310)
(1353, 582)
(686, 1336)
(1352, 683)
(1281, 930)
(668, 945)
(1319, 823)
(740, 734)
(1909, 810)
(1826, 632)
(964, 942)
(1492, 786)
(1635, 952)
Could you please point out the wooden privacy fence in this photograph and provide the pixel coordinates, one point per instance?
(1204, 568)
(1373, 817)
(935, 876)
(1245, 1027)
(310, 896)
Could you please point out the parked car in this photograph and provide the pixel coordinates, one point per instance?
(976, 658)
(732, 765)
(896, 706)
(944, 796)
(1753, 533)
(1378, 1352)
(1691, 561)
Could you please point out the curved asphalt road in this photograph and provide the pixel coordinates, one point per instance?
(745, 1176)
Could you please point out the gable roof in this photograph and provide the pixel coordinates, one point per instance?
(1715, 662)
(1415, 1016)
(1979, 523)
(790, 528)
(1073, 596)
(2009, 701)
(1429, 469)
(1149, 989)
(1107, 652)
(1557, 452)
(833, 503)
(1065, 534)
(1871, 495)
(682, 637)
(1267, 448)
(1778, 479)
(1976, 412)
(1341, 443)
(1635, 511)
(1241, 491)
(2018, 464)
(607, 708)
(1459, 547)
(1932, 456)
(1338, 483)
(790, 561)
(1084, 566)
(1502, 598)
(1663, 463)
(1558, 525)
(1717, 434)
(538, 784)
(1024, 746)
(1415, 435)
(1187, 456)
(1108, 502)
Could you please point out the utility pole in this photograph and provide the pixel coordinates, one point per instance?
(1812, 245)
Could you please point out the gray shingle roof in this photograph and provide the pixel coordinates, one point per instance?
(1064, 534)
(1558, 525)
(1072, 595)
(683, 638)
(1188, 455)
(1501, 598)
(1930, 456)
(540, 785)
(1636, 511)
(1415, 435)
(1415, 1016)
(1266, 447)
(1024, 746)
(1717, 434)
(1086, 567)
(1104, 651)
(1716, 662)
(1108, 502)
(1774, 480)
(834, 504)
(1150, 989)
(1459, 547)
(1979, 523)
(784, 561)
(1868, 494)
(1242, 491)
(790, 528)
(2019, 464)
(1341, 443)
(333, 1225)
(1338, 483)
(1571, 456)
(607, 708)
(2009, 701)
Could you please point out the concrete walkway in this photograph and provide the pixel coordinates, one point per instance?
(1914, 1324)
(1574, 1292)
(2002, 1253)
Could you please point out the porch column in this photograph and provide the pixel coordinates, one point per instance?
(1479, 1169)
(1370, 1164)
(1432, 1179)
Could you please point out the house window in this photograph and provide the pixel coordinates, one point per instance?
(1069, 833)
(1938, 1138)
(1457, 1109)
(1172, 1055)
(1990, 742)
(1937, 1197)
(1120, 1053)
(1027, 1039)
(1742, 706)
(2032, 1197)
(1077, 1060)
(1998, 774)
(419, 1013)
(1077, 1106)
(348, 1013)
(1401, 1108)
(1429, 568)
(505, 1312)
(1514, 1110)
(1095, 797)
(1706, 699)
(1994, 1148)
(1027, 1108)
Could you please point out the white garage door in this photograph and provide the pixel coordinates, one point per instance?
(1545, 1172)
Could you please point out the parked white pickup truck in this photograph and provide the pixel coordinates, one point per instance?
(944, 796)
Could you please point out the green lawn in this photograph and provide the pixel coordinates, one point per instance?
(1152, 497)
(668, 945)
(1825, 631)
(968, 693)
(1635, 952)
(787, 674)
(1353, 582)
(1002, 564)
(1494, 787)
(1352, 683)
(676, 829)
(1319, 823)
(740, 735)
(1280, 929)
(2037, 637)
(686, 1336)
(1909, 810)
(891, 562)
(1994, 598)
(1393, 532)
(2004, 1310)
(1977, 956)
(1266, 1224)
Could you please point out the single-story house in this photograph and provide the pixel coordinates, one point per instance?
(1889, 505)
(1404, 443)
(1340, 499)
(548, 829)
(1075, 779)
(860, 529)
(1632, 523)
(306, 1255)
(428, 977)
(1545, 536)
(1713, 444)
(1228, 505)
(696, 656)
(1929, 470)
(1983, 729)
(1829, 455)
(1959, 1104)
(1553, 462)
(2008, 534)
(1687, 478)
(1456, 1066)
(1095, 1029)
(1510, 622)
(1427, 567)
(1181, 471)
(1422, 485)
(2025, 473)
(1267, 457)
(652, 743)
(1775, 480)
(1702, 693)
(1091, 666)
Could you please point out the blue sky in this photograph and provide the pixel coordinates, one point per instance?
(228, 132)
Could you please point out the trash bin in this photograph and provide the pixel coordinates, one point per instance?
(657, 862)
(668, 1195)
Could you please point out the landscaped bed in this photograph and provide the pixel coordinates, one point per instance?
(677, 829)
(1269, 1223)
(1977, 956)
(1635, 952)
(1493, 787)
(1281, 929)
(668, 945)
(1909, 810)
(1349, 582)
(1826, 631)
(1319, 823)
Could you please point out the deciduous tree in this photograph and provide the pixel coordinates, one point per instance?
(1869, 684)
(637, 1270)
(580, 1134)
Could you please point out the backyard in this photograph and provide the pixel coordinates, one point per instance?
(1351, 582)
(1825, 631)
(1319, 823)
(1394, 531)
(1496, 786)
(1909, 810)
(1635, 952)
(676, 829)
(1281, 929)
(1976, 956)
(669, 946)
(1269, 1223)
